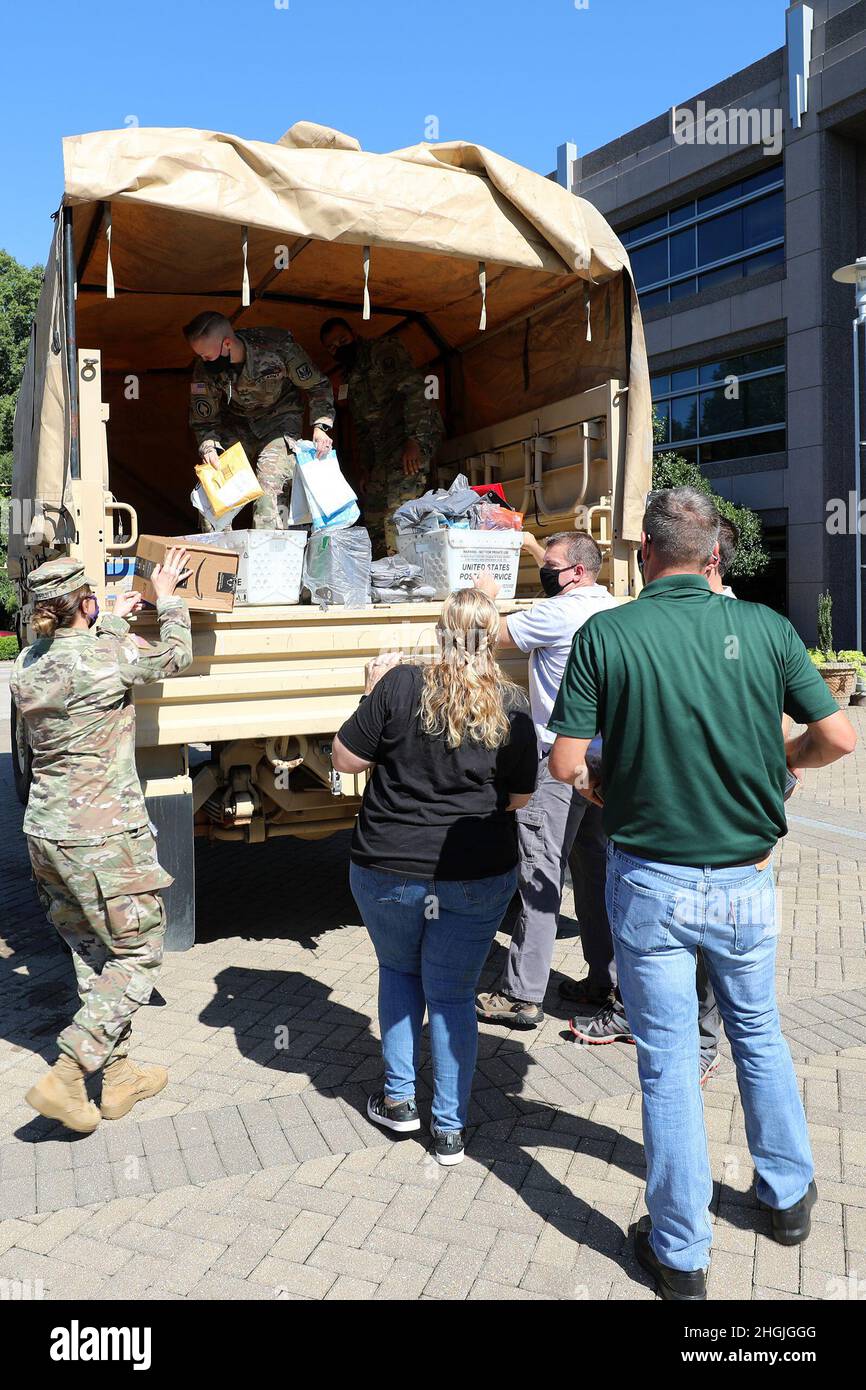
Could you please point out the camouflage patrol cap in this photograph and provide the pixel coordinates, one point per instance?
(54, 578)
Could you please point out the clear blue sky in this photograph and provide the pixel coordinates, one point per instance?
(518, 77)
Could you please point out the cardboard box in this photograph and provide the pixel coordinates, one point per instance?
(210, 587)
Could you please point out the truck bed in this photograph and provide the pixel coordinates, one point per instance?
(262, 672)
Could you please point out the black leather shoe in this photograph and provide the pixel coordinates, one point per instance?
(674, 1285)
(792, 1226)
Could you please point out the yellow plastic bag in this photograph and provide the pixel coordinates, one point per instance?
(229, 484)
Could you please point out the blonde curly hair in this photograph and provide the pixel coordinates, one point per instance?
(464, 694)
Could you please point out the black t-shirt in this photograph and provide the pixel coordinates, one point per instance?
(431, 811)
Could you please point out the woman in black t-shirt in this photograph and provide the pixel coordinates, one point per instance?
(434, 853)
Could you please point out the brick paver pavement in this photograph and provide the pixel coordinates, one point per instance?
(256, 1176)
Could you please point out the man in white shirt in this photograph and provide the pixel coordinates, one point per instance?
(558, 826)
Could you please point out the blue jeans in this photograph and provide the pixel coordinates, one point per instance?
(659, 915)
(431, 940)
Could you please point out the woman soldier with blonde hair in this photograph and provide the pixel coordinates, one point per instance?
(91, 845)
(434, 853)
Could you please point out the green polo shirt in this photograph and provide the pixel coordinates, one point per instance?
(687, 689)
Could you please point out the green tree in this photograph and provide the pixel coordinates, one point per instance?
(19, 295)
(672, 470)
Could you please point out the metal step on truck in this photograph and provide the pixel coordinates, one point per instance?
(513, 297)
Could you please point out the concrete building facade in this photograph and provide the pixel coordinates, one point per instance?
(736, 206)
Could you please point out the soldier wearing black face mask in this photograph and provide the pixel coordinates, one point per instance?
(249, 386)
(398, 426)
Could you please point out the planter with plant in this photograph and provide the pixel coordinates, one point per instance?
(839, 670)
(859, 661)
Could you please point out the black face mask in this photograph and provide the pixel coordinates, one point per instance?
(550, 579)
(346, 354)
(223, 363)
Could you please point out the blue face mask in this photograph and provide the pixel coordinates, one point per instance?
(95, 617)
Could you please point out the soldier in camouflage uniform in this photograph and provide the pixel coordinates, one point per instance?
(247, 387)
(399, 429)
(91, 845)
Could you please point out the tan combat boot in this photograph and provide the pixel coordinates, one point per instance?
(60, 1095)
(124, 1083)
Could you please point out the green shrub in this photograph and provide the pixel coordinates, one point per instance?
(672, 470)
(825, 625)
(8, 648)
(856, 658)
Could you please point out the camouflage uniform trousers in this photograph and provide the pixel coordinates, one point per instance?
(105, 902)
(274, 464)
(387, 488)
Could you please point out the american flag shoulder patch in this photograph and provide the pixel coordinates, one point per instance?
(198, 388)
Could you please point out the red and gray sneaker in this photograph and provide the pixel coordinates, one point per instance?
(708, 1066)
(607, 1026)
(401, 1116)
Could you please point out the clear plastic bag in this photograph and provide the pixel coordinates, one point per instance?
(337, 566)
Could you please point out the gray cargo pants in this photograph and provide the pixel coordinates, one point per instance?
(558, 827)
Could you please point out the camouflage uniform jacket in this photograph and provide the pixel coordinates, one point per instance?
(387, 401)
(73, 693)
(264, 397)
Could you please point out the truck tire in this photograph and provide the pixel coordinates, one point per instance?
(23, 775)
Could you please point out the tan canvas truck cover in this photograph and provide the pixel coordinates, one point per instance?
(442, 238)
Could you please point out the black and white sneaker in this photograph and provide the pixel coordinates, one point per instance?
(449, 1147)
(402, 1117)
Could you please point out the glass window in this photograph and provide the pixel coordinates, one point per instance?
(685, 213)
(763, 400)
(743, 446)
(765, 259)
(722, 276)
(703, 232)
(680, 288)
(746, 362)
(681, 381)
(722, 410)
(764, 220)
(719, 198)
(762, 180)
(654, 298)
(732, 408)
(684, 417)
(655, 224)
(720, 237)
(662, 426)
(683, 251)
(650, 263)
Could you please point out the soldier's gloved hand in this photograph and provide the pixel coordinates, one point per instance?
(412, 459)
(323, 442)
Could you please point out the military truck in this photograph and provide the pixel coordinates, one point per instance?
(515, 299)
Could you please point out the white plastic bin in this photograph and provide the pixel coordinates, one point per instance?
(269, 570)
(452, 558)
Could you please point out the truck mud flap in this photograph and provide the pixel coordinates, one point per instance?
(169, 805)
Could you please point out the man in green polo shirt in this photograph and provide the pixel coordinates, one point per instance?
(688, 692)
